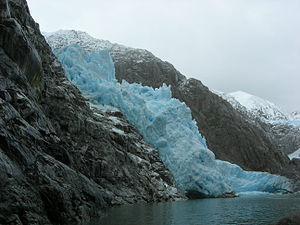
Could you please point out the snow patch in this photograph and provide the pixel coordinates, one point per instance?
(114, 119)
(118, 131)
(295, 115)
(295, 155)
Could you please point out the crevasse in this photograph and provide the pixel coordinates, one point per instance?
(167, 124)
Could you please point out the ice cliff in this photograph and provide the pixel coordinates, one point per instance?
(167, 124)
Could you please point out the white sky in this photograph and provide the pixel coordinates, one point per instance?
(230, 45)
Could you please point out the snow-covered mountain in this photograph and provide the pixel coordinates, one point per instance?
(283, 128)
(236, 104)
(255, 106)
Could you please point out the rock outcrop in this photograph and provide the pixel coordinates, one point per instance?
(290, 220)
(62, 161)
(286, 137)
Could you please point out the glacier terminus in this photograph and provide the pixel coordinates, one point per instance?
(167, 124)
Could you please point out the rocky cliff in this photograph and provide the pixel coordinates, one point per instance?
(62, 161)
(293, 219)
(286, 137)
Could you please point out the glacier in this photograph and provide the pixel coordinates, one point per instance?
(167, 124)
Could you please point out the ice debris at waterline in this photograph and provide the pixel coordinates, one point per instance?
(167, 124)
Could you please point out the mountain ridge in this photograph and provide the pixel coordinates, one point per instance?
(255, 105)
(84, 40)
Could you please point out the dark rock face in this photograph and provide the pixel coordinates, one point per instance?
(60, 161)
(287, 138)
(293, 171)
(290, 220)
(230, 136)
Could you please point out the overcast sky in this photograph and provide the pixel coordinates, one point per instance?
(230, 45)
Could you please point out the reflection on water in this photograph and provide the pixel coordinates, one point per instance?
(248, 209)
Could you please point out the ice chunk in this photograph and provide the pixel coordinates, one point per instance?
(167, 124)
(118, 131)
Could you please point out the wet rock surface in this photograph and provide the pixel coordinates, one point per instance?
(62, 161)
(290, 220)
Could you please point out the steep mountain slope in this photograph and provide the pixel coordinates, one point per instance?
(61, 162)
(286, 136)
(284, 129)
(228, 134)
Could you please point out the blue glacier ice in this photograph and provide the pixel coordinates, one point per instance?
(167, 124)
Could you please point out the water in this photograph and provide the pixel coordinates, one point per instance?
(248, 209)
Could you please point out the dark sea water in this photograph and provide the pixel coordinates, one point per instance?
(247, 209)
